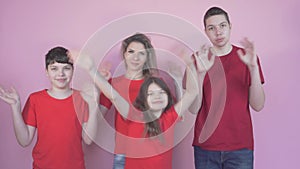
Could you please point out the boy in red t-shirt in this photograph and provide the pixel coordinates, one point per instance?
(59, 114)
(230, 80)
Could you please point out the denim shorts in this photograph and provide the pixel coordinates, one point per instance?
(119, 161)
(237, 159)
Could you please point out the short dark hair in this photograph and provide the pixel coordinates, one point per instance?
(215, 11)
(57, 54)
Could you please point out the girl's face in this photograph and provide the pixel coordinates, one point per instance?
(135, 56)
(157, 98)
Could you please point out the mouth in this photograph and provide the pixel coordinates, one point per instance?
(157, 102)
(61, 80)
(220, 40)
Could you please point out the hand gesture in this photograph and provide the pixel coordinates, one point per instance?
(10, 96)
(203, 61)
(249, 56)
(105, 73)
(82, 60)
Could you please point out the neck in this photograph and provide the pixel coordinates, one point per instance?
(157, 114)
(60, 93)
(134, 75)
(224, 50)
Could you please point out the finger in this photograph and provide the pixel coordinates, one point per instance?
(240, 53)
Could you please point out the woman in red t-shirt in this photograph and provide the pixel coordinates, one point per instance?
(150, 134)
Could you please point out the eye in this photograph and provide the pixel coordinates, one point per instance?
(68, 68)
(53, 68)
(142, 53)
(210, 28)
(130, 51)
(223, 25)
(162, 92)
(150, 94)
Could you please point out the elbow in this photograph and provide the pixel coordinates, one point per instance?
(87, 140)
(23, 144)
(258, 108)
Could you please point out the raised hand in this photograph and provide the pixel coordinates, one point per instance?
(105, 73)
(10, 96)
(205, 58)
(249, 56)
(82, 60)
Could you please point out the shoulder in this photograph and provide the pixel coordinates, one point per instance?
(235, 49)
(38, 94)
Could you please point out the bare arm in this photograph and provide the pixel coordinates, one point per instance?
(191, 89)
(204, 63)
(24, 133)
(86, 62)
(90, 95)
(256, 91)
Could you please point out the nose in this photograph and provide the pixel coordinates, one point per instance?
(61, 72)
(136, 56)
(219, 30)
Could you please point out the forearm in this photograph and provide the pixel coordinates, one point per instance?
(256, 91)
(21, 129)
(105, 87)
(191, 81)
(91, 126)
(195, 106)
(191, 90)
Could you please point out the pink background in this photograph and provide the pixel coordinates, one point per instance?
(30, 28)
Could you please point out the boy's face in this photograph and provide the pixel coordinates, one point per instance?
(218, 30)
(60, 75)
(135, 56)
(157, 98)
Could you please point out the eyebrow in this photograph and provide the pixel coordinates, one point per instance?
(218, 24)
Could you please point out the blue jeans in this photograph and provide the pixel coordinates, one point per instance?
(119, 161)
(238, 159)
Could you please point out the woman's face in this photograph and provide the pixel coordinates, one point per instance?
(135, 56)
(157, 98)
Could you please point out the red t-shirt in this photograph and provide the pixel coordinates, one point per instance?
(224, 121)
(129, 90)
(151, 153)
(59, 132)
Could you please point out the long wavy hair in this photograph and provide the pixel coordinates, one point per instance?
(150, 63)
(152, 126)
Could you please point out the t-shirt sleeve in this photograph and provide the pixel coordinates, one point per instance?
(29, 113)
(81, 107)
(170, 117)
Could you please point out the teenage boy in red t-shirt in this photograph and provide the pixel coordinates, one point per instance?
(230, 80)
(59, 114)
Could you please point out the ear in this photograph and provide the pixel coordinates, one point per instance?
(46, 72)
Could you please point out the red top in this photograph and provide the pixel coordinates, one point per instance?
(224, 121)
(59, 132)
(155, 152)
(129, 90)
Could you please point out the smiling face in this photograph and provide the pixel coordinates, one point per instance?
(60, 75)
(135, 57)
(157, 98)
(218, 30)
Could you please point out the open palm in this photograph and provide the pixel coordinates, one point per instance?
(249, 56)
(10, 96)
(203, 62)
